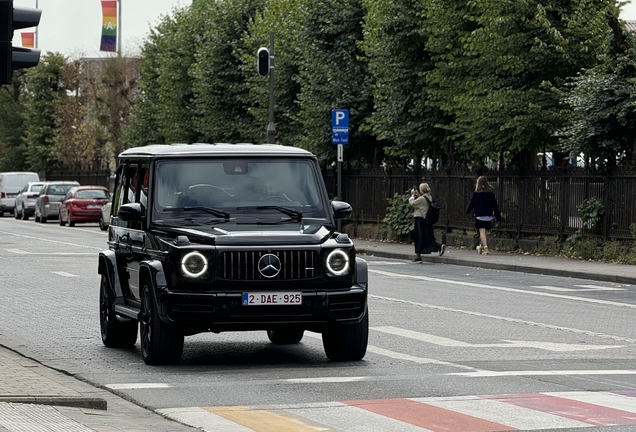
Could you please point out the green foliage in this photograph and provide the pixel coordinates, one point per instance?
(45, 91)
(333, 74)
(632, 230)
(395, 44)
(12, 148)
(614, 250)
(591, 212)
(399, 214)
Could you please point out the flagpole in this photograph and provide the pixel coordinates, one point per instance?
(118, 28)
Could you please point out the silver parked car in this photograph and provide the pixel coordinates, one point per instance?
(104, 215)
(47, 204)
(25, 201)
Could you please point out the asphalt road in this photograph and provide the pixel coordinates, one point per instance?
(442, 335)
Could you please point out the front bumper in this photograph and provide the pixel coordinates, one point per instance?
(223, 311)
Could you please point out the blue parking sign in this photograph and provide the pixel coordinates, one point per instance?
(340, 126)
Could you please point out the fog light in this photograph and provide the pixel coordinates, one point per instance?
(194, 264)
(338, 262)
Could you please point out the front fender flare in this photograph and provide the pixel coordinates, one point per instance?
(108, 266)
(362, 272)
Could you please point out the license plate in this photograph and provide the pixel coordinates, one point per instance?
(272, 298)
(93, 206)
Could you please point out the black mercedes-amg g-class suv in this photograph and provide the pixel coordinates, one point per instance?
(227, 237)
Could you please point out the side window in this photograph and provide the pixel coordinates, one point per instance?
(144, 174)
(67, 196)
(132, 194)
(120, 187)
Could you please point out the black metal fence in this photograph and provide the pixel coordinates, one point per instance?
(97, 178)
(542, 202)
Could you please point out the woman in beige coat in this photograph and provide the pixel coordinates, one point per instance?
(423, 236)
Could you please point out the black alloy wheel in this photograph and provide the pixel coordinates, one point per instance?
(285, 337)
(347, 342)
(117, 332)
(160, 344)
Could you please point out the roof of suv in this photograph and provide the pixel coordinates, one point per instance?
(202, 149)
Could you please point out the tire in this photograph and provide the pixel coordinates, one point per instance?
(25, 216)
(347, 342)
(102, 224)
(285, 337)
(42, 219)
(116, 332)
(71, 223)
(61, 222)
(15, 213)
(160, 344)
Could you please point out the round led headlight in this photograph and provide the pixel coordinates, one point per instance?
(194, 264)
(338, 262)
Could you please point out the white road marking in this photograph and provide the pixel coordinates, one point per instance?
(204, 420)
(606, 399)
(485, 373)
(21, 252)
(586, 288)
(400, 356)
(61, 273)
(442, 341)
(499, 288)
(386, 263)
(132, 386)
(50, 241)
(506, 319)
(321, 380)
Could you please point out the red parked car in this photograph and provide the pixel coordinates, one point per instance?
(82, 204)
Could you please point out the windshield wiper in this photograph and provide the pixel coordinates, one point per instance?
(294, 214)
(209, 210)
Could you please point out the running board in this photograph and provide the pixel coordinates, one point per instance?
(127, 311)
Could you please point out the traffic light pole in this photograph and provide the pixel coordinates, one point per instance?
(271, 128)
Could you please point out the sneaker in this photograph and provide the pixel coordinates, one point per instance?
(478, 249)
(484, 250)
(417, 259)
(442, 249)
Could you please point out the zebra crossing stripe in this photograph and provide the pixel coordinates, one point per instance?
(478, 413)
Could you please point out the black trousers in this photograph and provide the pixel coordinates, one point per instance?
(424, 238)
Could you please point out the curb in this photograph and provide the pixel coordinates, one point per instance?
(508, 267)
(67, 401)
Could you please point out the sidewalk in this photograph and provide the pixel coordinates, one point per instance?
(35, 397)
(547, 265)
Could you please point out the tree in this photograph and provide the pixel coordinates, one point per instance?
(333, 74)
(283, 17)
(219, 85)
(502, 77)
(164, 109)
(404, 118)
(603, 101)
(45, 91)
(12, 148)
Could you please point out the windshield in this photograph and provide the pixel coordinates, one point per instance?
(238, 186)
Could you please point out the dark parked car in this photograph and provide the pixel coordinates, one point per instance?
(25, 201)
(82, 204)
(48, 201)
(221, 237)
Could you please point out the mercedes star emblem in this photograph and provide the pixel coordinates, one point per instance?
(269, 265)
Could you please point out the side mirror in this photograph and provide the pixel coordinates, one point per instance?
(130, 212)
(341, 210)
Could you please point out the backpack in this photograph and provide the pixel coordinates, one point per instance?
(432, 215)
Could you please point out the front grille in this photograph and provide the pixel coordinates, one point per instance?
(295, 265)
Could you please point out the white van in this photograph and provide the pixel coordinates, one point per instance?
(10, 185)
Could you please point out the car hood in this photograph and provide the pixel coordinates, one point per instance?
(232, 233)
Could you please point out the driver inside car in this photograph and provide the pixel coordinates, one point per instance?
(272, 192)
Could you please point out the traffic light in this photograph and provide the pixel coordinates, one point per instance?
(11, 19)
(263, 60)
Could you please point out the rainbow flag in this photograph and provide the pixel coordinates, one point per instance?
(109, 26)
(28, 39)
